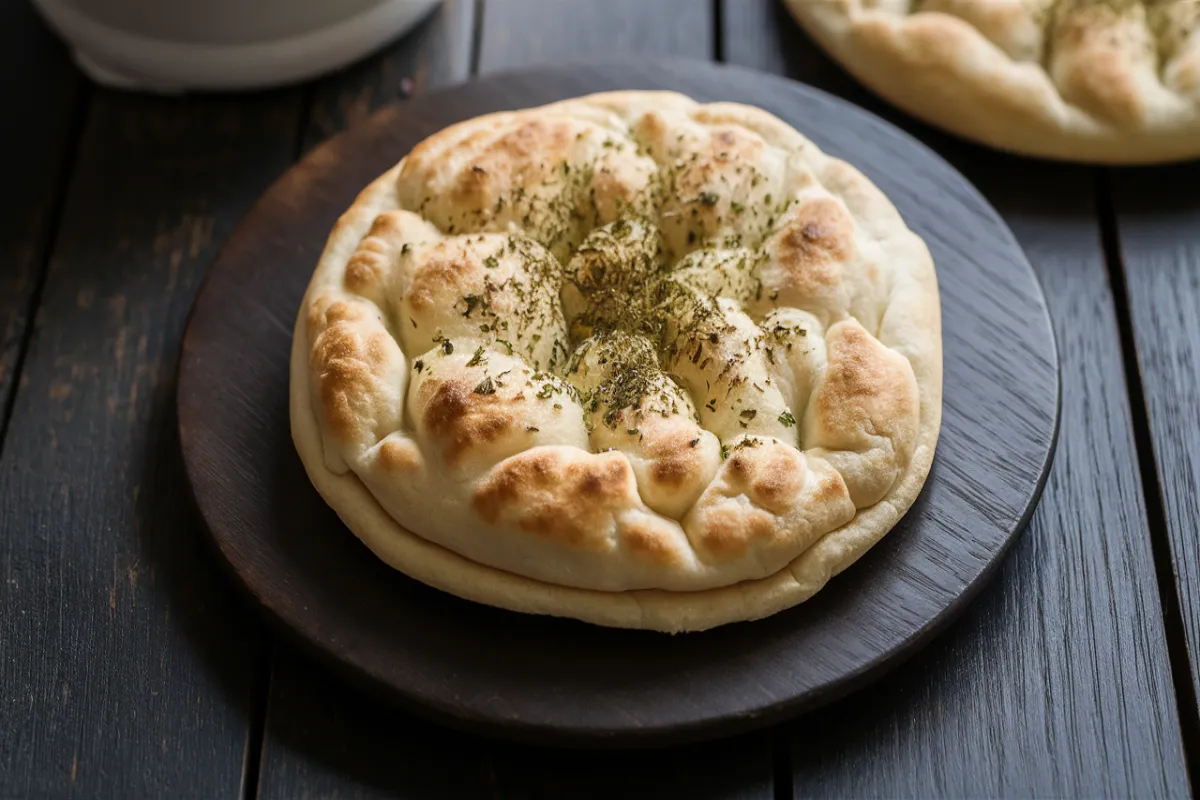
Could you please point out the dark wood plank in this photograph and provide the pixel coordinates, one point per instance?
(329, 740)
(436, 53)
(40, 94)
(522, 33)
(1057, 681)
(129, 663)
(1158, 227)
(326, 739)
(733, 769)
(322, 738)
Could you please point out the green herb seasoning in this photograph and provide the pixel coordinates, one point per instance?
(636, 317)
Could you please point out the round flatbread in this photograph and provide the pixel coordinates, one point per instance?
(624, 358)
(1105, 81)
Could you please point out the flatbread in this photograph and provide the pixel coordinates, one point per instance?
(625, 358)
(1103, 81)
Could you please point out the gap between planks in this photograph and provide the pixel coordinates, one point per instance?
(1160, 546)
(264, 670)
(718, 37)
(256, 739)
(476, 39)
(782, 784)
(45, 243)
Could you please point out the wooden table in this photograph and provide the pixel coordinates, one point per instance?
(131, 666)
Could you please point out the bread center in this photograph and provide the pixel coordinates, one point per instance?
(628, 318)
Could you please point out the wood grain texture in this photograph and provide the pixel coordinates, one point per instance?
(320, 737)
(731, 769)
(1158, 227)
(522, 33)
(326, 739)
(1057, 683)
(36, 140)
(435, 53)
(329, 740)
(127, 665)
(557, 681)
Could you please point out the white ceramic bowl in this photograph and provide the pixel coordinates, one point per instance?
(177, 45)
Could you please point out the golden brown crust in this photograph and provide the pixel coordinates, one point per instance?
(865, 414)
(353, 364)
(778, 482)
(1098, 53)
(1081, 80)
(475, 409)
(809, 253)
(649, 540)
(770, 482)
(1012, 25)
(675, 457)
(565, 497)
(716, 427)
(730, 531)
(551, 170)
(866, 387)
(463, 419)
(398, 454)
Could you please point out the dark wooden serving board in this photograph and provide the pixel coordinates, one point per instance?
(563, 682)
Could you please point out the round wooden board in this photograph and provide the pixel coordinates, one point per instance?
(559, 681)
